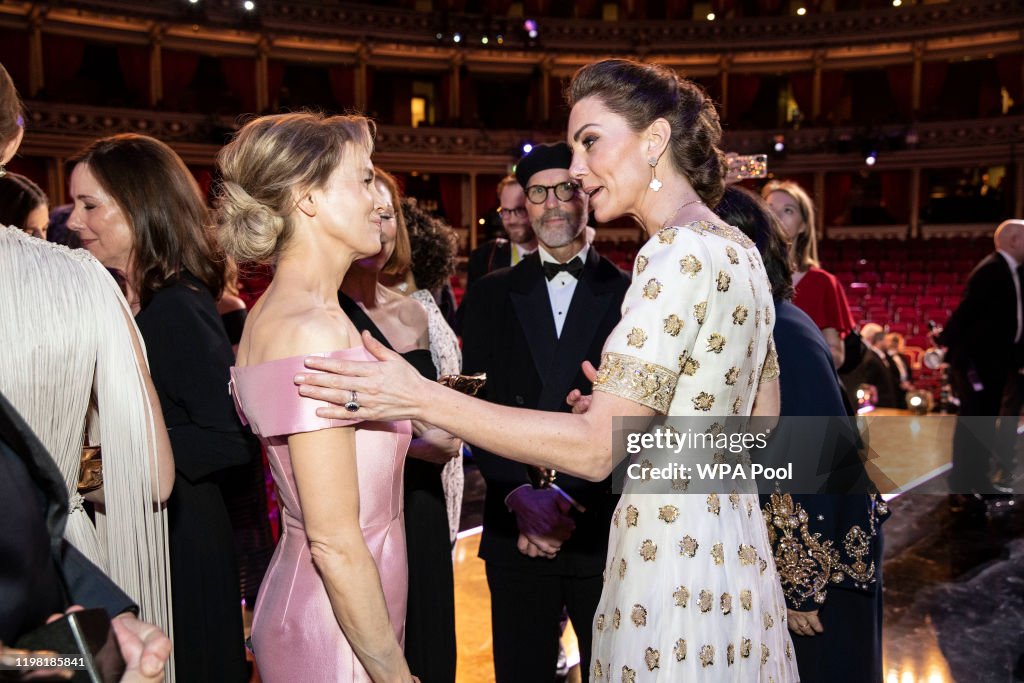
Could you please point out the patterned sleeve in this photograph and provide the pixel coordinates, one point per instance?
(662, 314)
(770, 369)
(444, 345)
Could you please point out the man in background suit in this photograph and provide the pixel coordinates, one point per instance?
(44, 574)
(984, 338)
(529, 328)
(500, 252)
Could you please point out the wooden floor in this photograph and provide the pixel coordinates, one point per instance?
(473, 617)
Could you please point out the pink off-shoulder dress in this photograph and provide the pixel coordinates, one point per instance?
(295, 634)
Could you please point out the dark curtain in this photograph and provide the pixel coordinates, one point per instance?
(802, 86)
(743, 90)
(837, 198)
(901, 80)
(240, 73)
(832, 83)
(62, 59)
(933, 76)
(896, 194)
(343, 85)
(451, 199)
(1011, 75)
(275, 78)
(177, 69)
(14, 57)
(134, 62)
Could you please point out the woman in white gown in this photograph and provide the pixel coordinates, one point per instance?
(691, 590)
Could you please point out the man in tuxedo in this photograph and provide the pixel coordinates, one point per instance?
(985, 340)
(500, 252)
(530, 328)
(873, 369)
(44, 574)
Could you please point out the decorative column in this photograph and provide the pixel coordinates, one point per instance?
(262, 75)
(362, 96)
(55, 180)
(469, 199)
(915, 202)
(819, 202)
(156, 72)
(455, 90)
(819, 63)
(36, 78)
(723, 65)
(545, 89)
(915, 84)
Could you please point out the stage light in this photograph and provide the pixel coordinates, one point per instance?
(193, 2)
(897, 3)
(485, 40)
(527, 148)
(249, 5)
(871, 158)
(780, 143)
(801, 11)
(501, 39)
(482, 221)
(457, 38)
(439, 36)
(711, 16)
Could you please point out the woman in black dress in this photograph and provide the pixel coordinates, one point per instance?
(401, 323)
(144, 217)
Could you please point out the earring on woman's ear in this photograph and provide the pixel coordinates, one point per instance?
(655, 184)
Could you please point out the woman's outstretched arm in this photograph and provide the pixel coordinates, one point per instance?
(580, 445)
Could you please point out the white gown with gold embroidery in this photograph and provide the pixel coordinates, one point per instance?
(691, 591)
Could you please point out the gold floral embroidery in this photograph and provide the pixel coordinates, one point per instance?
(789, 650)
(720, 458)
(750, 508)
(615, 517)
(764, 654)
(616, 618)
(737, 405)
(632, 515)
(723, 281)
(700, 311)
(628, 675)
(857, 545)
(727, 232)
(648, 550)
(598, 669)
(599, 622)
(717, 554)
(745, 646)
(770, 369)
(688, 546)
(734, 500)
(763, 564)
(680, 484)
(688, 365)
(703, 401)
(753, 292)
(652, 658)
(680, 650)
(639, 615)
(641, 264)
(767, 315)
(668, 513)
(730, 654)
(673, 325)
(682, 596)
(716, 343)
(726, 603)
(690, 265)
(707, 655)
(739, 315)
(622, 568)
(636, 337)
(646, 383)
(767, 620)
(731, 375)
(667, 235)
(757, 318)
(652, 289)
(704, 601)
(714, 505)
(716, 428)
(733, 257)
(747, 554)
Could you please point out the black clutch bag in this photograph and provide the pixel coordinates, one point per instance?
(84, 640)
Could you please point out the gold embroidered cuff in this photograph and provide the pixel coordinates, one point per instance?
(770, 369)
(631, 378)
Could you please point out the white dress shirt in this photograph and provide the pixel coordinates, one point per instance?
(561, 287)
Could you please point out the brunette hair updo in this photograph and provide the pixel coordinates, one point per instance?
(642, 93)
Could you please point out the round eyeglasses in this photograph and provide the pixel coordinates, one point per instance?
(564, 191)
(517, 212)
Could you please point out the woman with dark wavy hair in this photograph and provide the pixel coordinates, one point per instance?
(691, 591)
(139, 211)
(24, 205)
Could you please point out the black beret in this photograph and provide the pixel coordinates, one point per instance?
(541, 158)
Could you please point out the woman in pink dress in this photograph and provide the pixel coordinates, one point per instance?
(298, 191)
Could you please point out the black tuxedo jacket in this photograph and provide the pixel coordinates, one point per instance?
(41, 573)
(981, 331)
(509, 333)
(488, 257)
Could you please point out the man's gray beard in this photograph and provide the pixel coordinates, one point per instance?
(557, 237)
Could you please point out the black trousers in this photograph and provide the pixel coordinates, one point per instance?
(981, 436)
(526, 612)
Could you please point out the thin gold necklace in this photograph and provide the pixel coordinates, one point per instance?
(680, 208)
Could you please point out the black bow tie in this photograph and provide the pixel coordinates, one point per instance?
(573, 267)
